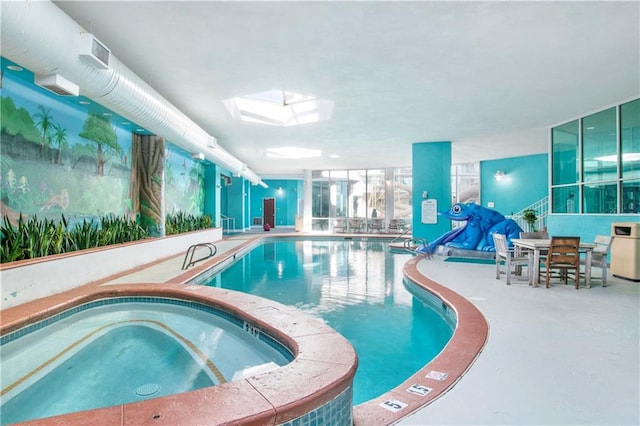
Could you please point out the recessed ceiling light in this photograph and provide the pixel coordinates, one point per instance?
(292, 153)
(125, 123)
(15, 68)
(106, 114)
(140, 130)
(590, 128)
(84, 102)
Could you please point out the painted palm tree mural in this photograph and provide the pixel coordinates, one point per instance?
(100, 131)
(44, 122)
(59, 138)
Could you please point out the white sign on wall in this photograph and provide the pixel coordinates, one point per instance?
(429, 211)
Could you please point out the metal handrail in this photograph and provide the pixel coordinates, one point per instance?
(413, 244)
(192, 249)
(402, 235)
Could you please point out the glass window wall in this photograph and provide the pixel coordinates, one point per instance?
(599, 146)
(596, 161)
(564, 144)
(630, 129)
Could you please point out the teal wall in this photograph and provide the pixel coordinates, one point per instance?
(432, 173)
(585, 226)
(286, 202)
(525, 182)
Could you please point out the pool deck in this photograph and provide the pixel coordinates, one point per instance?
(553, 356)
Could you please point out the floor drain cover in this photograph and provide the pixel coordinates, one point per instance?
(148, 389)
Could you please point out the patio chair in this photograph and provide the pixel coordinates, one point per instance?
(376, 224)
(504, 254)
(340, 225)
(395, 226)
(563, 256)
(599, 256)
(355, 224)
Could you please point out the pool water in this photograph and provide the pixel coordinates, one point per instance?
(357, 288)
(117, 353)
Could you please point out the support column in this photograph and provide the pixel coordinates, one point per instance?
(307, 197)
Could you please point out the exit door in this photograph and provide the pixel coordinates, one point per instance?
(268, 211)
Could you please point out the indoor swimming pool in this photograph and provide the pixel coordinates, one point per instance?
(119, 350)
(355, 286)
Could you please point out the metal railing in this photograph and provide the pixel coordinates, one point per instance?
(191, 251)
(227, 222)
(541, 208)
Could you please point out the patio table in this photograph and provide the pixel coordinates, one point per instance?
(535, 246)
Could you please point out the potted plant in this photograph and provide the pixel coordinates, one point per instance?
(530, 217)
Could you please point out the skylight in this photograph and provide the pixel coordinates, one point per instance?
(279, 108)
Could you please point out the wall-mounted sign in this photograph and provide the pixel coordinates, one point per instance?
(429, 211)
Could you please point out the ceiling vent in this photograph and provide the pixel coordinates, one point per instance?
(57, 84)
(94, 52)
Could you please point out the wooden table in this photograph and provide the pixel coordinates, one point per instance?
(535, 246)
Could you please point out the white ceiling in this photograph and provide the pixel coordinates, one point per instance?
(489, 76)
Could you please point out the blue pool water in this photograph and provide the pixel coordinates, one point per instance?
(122, 350)
(356, 287)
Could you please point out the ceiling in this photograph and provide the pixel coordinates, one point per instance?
(490, 77)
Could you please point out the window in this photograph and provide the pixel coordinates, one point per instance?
(630, 129)
(596, 162)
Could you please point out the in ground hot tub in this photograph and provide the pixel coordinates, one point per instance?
(127, 349)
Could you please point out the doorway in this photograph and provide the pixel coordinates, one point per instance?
(268, 211)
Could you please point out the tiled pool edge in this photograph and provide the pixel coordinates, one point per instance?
(443, 372)
(322, 371)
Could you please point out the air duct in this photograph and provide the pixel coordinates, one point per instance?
(41, 37)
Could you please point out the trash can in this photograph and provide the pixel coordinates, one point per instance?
(625, 250)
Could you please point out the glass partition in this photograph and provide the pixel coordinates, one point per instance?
(631, 197)
(596, 160)
(564, 144)
(599, 146)
(375, 193)
(630, 130)
(565, 199)
(402, 194)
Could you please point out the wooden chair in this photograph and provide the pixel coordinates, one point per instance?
(599, 256)
(563, 256)
(506, 255)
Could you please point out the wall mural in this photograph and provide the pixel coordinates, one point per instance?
(184, 183)
(58, 159)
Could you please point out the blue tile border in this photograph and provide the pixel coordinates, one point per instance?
(337, 412)
(239, 322)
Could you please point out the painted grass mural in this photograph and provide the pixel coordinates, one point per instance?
(56, 158)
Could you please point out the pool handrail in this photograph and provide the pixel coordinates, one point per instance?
(192, 249)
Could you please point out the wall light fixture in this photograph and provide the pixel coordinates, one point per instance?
(499, 175)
